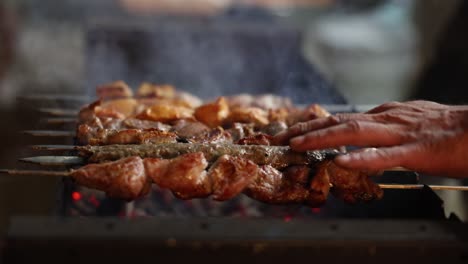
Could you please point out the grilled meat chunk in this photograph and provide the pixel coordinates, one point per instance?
(125, 178)
(185, 175)
(239, 131)
(249, 115)
(147, 89)
(259, 139)
(117, 89)
(273, 186)
(213, 114)
(165, 113)
(187, 128)
(87, 136)
(319, 185)
(352, 186)
(216, 135)
(230, 175)
(144, 124)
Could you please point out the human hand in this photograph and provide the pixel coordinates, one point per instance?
(418, 135)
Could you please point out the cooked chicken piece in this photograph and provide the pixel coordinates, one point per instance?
(311, 112)
(138, 136)
(213, 114)
(319, 185)
(165, 113)
(85, 133)
(185, 175)
(111, 123)
(230, 175)
(127, 136)
(117, 89)
(280, 114)
(124, 178)
(187, 128)
(240, 130)
(87, 113)
(352, 186)
(216, 135)
(154, 136)
(190, 99)
(258, 139)
(273, 186)
(274, 128)
(145, 124)
(254, 115)
(95, 110)
(154, 90)
(124, 106)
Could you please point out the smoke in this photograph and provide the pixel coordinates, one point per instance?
(207, 57)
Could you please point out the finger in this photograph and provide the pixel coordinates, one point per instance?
(376, 159)
(385, 107)
(283, 137)
(355, 133)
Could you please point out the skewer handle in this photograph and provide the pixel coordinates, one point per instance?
(420, 186)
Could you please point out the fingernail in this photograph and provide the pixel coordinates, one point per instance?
(297, 140)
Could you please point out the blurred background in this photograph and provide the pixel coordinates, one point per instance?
(362, 51)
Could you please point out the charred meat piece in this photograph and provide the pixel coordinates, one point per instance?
(124, 106)
(137, 136)
(145, 124)
(117, 89)
(216, 135)
(187, 128)
(88, 136)
(274, 128)
(124, 178)
(249, 115)
(273, 186)
(165, 113)
(154, 90)
(352, 186)
(239, 130)
(311, 112)
(230, 175)
(319, 185)
(259, 139)
(185, 175)
(213, 114)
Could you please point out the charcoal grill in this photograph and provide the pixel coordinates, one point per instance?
(405, 226)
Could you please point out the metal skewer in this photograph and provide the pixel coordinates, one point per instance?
(59, 120)
(383, 186)
(49, 133)
(59, 112)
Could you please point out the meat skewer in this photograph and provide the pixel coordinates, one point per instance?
(189, 176)
(390, 186)
(275, 156)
